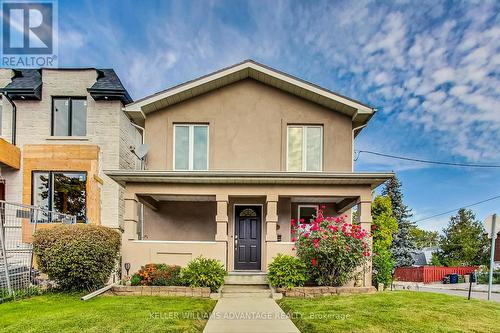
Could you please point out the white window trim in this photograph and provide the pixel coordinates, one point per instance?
(304, 151)
(305, 206)
(191, 146)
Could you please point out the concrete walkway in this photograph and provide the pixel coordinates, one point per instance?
(248, 315)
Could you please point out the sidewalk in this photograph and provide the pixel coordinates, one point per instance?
(248, 315)
(456, 286)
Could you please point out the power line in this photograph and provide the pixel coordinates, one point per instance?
(454, 210)
(427, 161)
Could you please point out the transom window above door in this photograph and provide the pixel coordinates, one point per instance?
(190, 147)
(304, 148)
(69, 116)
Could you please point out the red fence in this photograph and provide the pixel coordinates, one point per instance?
(428, 274)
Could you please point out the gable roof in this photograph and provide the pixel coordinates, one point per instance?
(360, 113)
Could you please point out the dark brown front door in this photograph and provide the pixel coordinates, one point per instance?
(247, 237)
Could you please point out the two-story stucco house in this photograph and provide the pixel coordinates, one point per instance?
(233, 156)
(60, 128)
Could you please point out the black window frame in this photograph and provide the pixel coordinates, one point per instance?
(50, 189)
(70, 113)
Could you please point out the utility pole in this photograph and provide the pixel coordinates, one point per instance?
(492, 252)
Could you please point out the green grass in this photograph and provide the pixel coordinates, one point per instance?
(399, 311)
(67, 313)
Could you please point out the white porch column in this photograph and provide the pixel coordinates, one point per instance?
(130, 217)
(221, 218)
(365, 220)
(271, 217)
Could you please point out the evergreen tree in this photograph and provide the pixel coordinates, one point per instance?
(403, 243)
(464, 242)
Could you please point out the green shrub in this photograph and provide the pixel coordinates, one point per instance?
(135, 280)
(382, 268)
(159, 275)
(77, 257)
(286, 272)
(203, 272)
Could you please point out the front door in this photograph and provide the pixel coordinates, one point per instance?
(247, 237)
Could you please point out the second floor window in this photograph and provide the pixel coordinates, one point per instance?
(69, 116)
(190, 147)
(304, 148)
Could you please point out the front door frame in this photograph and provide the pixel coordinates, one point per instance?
(261, 233)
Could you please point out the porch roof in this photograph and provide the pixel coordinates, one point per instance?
(373, 179)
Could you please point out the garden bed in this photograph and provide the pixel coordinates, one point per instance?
(324, 291)
(203, 292)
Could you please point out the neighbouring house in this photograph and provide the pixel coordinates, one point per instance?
(233, 156)
(59, 129)
(423, 256)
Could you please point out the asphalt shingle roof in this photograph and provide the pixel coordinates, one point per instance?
(25, 79)
(107, 85)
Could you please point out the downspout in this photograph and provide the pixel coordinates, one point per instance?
(14, 116)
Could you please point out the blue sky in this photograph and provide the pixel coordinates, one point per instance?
(431, 68)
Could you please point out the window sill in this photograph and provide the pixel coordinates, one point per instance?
(68, 138)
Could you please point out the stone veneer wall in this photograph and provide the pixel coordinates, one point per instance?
(324, 291)
(160, 291)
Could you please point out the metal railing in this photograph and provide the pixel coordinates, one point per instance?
(18, 222)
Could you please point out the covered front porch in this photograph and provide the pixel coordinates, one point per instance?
(243, 222)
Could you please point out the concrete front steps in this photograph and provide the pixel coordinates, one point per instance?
(246, 284)
(246, 290)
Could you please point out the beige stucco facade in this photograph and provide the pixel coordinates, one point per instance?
(248, 128)
(174, 216)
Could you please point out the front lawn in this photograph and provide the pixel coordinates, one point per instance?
(67, 313)
(398, 311)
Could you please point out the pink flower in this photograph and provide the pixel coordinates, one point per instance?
(322, 206)
(294, 239)
(301, 220)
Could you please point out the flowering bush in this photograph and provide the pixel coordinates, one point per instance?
(157, 275)
(331, 248)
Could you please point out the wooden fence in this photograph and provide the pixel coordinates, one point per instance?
(428, 274)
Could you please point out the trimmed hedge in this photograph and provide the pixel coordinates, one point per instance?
(77, 257)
